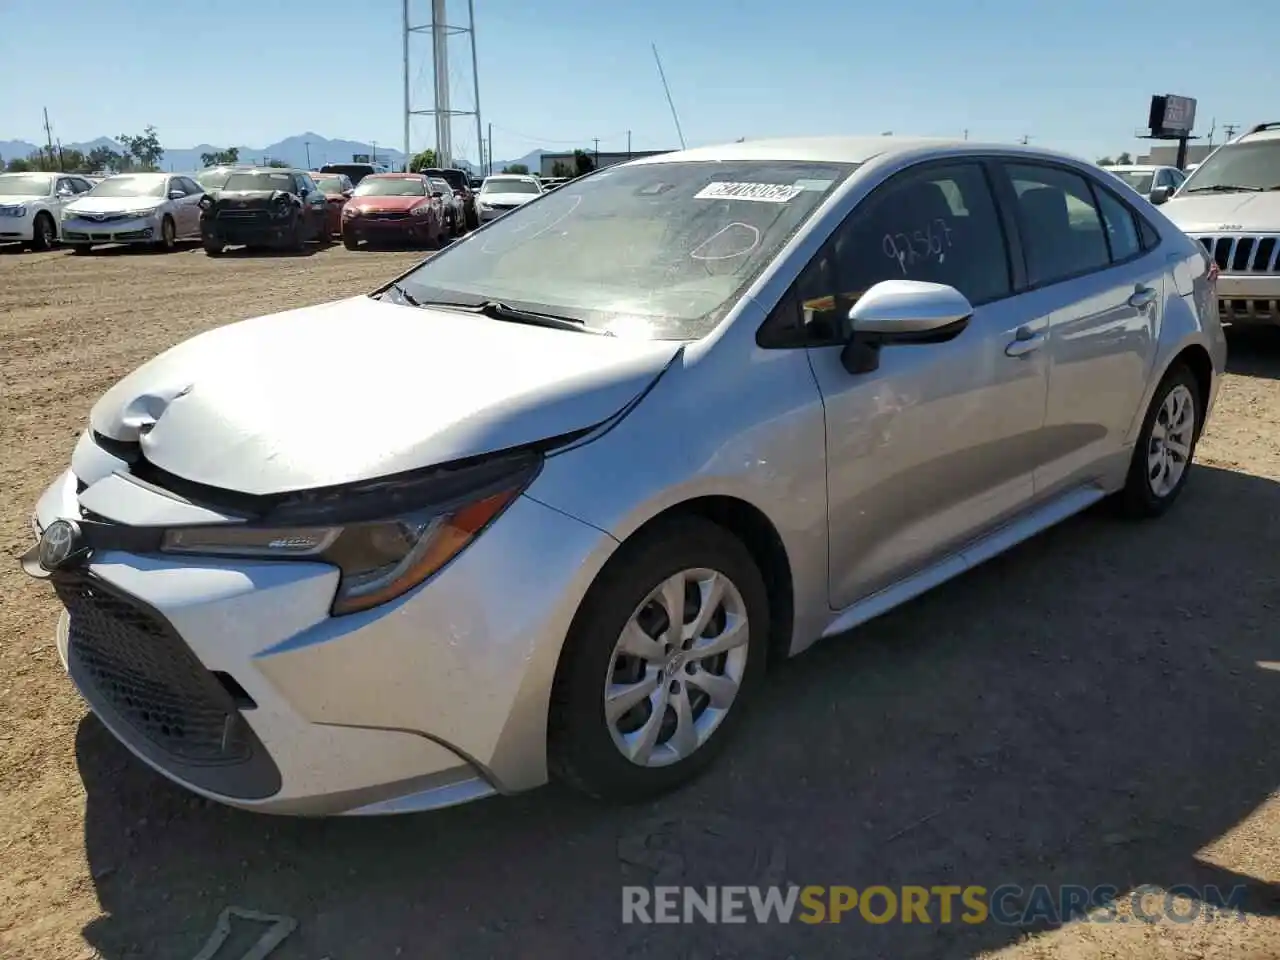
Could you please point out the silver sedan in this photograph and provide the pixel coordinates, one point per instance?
(155, 209)
(550, 503)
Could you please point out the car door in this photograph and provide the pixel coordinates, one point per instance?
(940, 443)
(1101, 291)
(191, 205)
(314, 203)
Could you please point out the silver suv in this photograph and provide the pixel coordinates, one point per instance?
(1231, 205)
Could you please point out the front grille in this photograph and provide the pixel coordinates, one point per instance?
(135, 666)
(388, 216)
(243, 216)
(1253, 253)
(106, 217)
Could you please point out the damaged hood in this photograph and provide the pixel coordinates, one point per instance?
(359, 388)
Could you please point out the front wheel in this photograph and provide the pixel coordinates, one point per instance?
(168, 236)
(81, 249)
(213, 247)
(350, 240)
(660, 664)
(1165, 448)
(44, 232)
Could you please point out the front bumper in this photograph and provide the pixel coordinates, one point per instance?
(17, 229)
(271, 232)
(402, 228)
(230, 677)
(136, 230)
(1249, 298)
(493, 213)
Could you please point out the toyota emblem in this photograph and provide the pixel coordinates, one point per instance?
(60, 542)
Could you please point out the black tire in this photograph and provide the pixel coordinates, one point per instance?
(297, 240)
(322, 231)
(213, 247)
(350, 241)
(44, 232)
(472, 218)
(581, 749)
(1139, 499)
(81, 249)
(168, 241)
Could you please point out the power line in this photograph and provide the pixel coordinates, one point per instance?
(576, 140)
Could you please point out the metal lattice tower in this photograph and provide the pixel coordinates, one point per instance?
(440, 30)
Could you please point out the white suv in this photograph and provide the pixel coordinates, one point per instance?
(31, 206)
(1231, 205)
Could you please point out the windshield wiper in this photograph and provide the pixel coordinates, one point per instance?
(1224, 188)
(404, 295)
(497, 310)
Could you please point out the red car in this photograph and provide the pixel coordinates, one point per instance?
(393, 207)
(336, 188)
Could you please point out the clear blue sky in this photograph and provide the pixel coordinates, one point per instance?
(1075, 75)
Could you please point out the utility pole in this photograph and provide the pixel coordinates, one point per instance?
(1229, 131)
(966, 133)
(375, 153)
(491, 149)
(407, 106)
(307, 144)
(1026, 138)
(596, 141)
(628, 144)
(48, 133)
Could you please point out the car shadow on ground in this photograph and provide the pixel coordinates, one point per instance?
(133, 249)
(1087, 709)
(309, 249)
(1254, 352)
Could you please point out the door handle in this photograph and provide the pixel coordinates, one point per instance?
(1025, 341)
(1142, 298)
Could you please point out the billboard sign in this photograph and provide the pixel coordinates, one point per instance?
(1172, 116)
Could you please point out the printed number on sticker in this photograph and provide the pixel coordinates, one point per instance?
(759, 192)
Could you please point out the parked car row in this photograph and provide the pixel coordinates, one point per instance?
(238, 205)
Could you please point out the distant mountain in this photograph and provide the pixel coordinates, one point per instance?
(295, 151)
(531, 160)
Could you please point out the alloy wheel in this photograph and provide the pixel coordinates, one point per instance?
(677, 668)
(1172, 435)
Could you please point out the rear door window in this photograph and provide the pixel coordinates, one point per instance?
(1062, 230)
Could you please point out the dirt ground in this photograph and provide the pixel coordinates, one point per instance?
(1098, 707)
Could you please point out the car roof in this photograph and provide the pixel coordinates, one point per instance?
(395, 176)
(841, 149)
(1137, 167)
(512, 176)
(1261, 131)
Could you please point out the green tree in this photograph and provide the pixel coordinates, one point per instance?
(516, 168)
(19, 165)
(422, 161)
(1124, 158)
(277, 164)
(104, 158)
(1105, 162)
(218, 157)
(144, 147)
(582, 162)
(561, 169)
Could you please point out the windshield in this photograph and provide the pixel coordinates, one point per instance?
(510, 186)
(456, 179)
(442, 186)
(129, 187)
(1253, 166)
(25, 184)
(329, 184)
(212, 179)
(1140, 180)
(391, 187)
(656, 251)
(259, 182)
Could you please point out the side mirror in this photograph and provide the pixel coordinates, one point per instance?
(1160, 195)
(66, 192)
(902, 312)
(177, 195)
(347, 193)
(436, 194)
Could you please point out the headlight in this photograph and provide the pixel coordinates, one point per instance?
(139, 214)
(386, 537)
(69, 214)
(19, 211)
(421, 210)
(350, 211)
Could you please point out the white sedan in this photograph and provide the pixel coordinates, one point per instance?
(31, 204)
(150, 208)
(504, 192)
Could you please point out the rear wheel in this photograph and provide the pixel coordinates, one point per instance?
(1165, 448)
(660, 664)
(44, 232)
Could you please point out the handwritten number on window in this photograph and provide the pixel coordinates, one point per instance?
(924, 245)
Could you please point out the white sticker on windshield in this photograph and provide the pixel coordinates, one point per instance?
(815, 185)
(759, 192)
